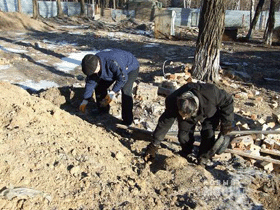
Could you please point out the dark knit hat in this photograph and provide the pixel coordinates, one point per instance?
(89, 64)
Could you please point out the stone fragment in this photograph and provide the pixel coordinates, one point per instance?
(273, 104)
(241, 95)
(268, 166)
(277, 146)
(254, 117)
(242, 142)
(146, 91)
(158, 79)
(180, 75)
(259, 99)
(120, 156)
(188, 67)
(223, 157)
(255, 149)
(246, 113)
(170, 76)
(269, 143)
(261, 121)
(75, 170)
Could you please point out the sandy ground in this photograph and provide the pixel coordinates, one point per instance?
(53, 157)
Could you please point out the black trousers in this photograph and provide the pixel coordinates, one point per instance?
(186, 134)
(127, 100)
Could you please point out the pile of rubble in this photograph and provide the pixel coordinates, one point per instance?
(261, 147)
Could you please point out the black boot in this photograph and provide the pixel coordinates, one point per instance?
(186, 150)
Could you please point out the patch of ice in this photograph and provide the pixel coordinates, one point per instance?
(43, 84)
(73, 60)
(74, 27)
(12, 50)
(151, 45)
(3, 67)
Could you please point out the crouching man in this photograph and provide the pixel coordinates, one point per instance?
(190, 104)
(102, 70)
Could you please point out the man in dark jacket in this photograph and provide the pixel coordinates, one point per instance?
(102, 70)
(190, 104)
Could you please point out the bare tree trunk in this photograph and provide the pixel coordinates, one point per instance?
(256, 17)
(83, 10)
(252, 10)
(59, 9)
(35, 9)
(19, 6)
(189, 2)
(102, 2)
(270, 23)
(237, 5)
(211, 27)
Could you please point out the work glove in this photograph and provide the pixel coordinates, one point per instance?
(220, 145)
(108, 98)
(83, 105)
(226, 128)
(224, 142)
(150, 153)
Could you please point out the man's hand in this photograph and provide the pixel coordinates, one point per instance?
(226, 128)
(150, 153)
(107, 100)
(83, 105)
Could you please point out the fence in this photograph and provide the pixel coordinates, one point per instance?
(184, 16)
(46, 8)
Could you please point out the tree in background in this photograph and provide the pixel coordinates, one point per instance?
(59, 8)
(255, 19)
(19, 6)
(211, 27)
(35, 9)
(252, 10)
(83, 8)
(270, 23)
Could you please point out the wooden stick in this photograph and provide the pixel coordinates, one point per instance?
(244, 154)
(197, 133)
(271, 152)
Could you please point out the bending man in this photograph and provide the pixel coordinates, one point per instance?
(190, 104)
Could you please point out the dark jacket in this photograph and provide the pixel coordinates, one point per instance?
(211, 99)
(115, 66)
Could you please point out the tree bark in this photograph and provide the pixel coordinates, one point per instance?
(35, 9)
(211, 27)
(270, 23)
(252, 10)
(256, 17)
(189, 2)
(19, 6)
(59, 8)
(102, 5)
(237, 6)
(83, 10)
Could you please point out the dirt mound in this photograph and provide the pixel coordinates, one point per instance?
(18, 21)
(51, 159)
(45, 148)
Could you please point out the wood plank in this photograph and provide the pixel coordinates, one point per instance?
(271, 152)
(244, 154)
